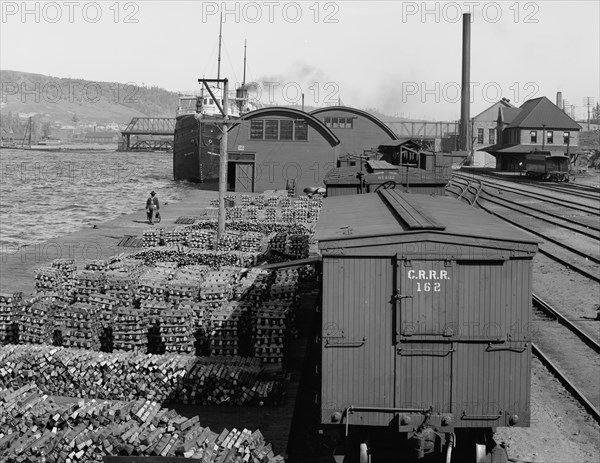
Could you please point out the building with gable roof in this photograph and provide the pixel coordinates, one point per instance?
(538, 125)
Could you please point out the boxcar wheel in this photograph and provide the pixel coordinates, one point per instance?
(364, 454)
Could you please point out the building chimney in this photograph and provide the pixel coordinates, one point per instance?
(559, 101)
(465, 97)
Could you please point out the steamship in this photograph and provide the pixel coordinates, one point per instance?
(196, 148)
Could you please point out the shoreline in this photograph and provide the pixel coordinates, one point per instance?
(93, 243)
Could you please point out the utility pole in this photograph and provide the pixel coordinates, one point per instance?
(589, 102)
(223, 162)
(219, 57)
(223, 148)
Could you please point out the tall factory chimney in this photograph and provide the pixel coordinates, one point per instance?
(465, 98)
(559, 101)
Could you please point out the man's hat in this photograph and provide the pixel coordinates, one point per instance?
(153, 192)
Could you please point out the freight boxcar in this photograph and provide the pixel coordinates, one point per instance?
(547, 165)
(426, 316)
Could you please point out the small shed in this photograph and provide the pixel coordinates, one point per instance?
(426, 310)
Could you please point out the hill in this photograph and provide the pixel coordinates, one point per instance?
(66, 100)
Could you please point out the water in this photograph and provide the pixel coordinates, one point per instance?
(46, 194)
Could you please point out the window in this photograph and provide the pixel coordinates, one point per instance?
(278, 129)
(492, 134)
(256, 130)
(300, 130)
(550, 137)
(480, 136)
(566, 136)
(339, 122)
(210, 100)
(271, 129)
(533, 135)
(205, 100)
(286, 129)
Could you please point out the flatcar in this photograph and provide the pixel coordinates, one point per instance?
(426, 341)
(547, 165)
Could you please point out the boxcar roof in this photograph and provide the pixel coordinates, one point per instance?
(390, 212)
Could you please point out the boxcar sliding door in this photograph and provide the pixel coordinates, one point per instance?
(426, 323)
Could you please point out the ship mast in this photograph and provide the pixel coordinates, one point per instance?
(244, 80)
(219, 58)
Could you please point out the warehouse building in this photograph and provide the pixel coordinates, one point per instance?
(279, 148)
(284, 148)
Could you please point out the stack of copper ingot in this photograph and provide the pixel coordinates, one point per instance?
(105, 306)
(250, 242)
(152, 284)
(96, 265)
(270, 214)
(244, 200)
(82, 328)
(130, 330)
(151, 237)
(301, 209)
(234, 213)
(174, 236)
(201, 239)
(86, 282)
(176, 331)
(278, 242)
(224, 323)
(285, 202)
(37, 317)
(288, 215)
(299, 246)
(270, 324)
(120, 286)
(185, 283)
(49, 279)
(90, 429)
(314, 207)
(252, 213)
(9, 314)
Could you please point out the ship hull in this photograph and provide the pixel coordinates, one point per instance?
(196, 149)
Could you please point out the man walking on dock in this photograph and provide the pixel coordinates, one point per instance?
(152, 207)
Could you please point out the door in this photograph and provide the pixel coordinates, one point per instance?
(244, 177)
(426, 328)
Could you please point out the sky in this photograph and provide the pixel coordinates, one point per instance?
(403, 58)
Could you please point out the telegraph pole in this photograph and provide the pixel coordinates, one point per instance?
(223, 162)
(223, 147)
(588, 101)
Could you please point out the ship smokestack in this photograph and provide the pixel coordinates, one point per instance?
(465, 135)
(559, 100)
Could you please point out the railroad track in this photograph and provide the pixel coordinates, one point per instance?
(476, 192)
(567, 383)
(471, 193)
(583, 191)
(549, 214)
(573, 205)
(560, 318)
